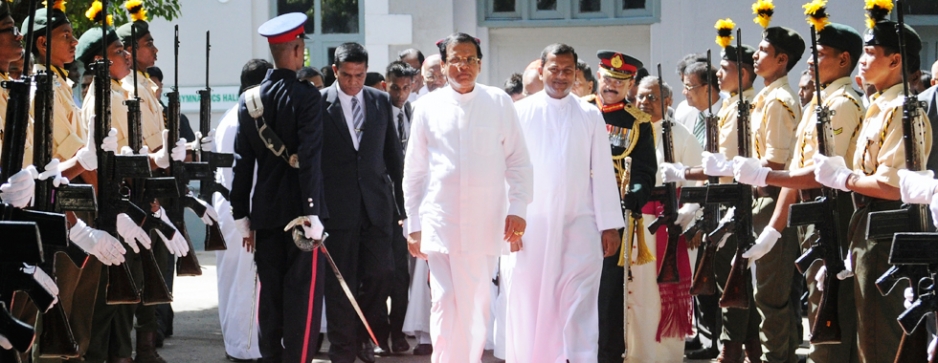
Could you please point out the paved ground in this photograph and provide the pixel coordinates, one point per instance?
(198, 335)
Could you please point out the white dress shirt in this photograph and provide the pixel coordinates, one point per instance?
(346, 101)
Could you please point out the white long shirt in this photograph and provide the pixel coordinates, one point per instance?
(466, 165)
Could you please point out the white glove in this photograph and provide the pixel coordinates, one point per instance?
(179, 151)
(933, 206)
(831, 172)
(686, 214)
(750, 171)
(161, 158)
(716, 164)
(672, 173)
(20, 189)
(244, 227)
(314, 230)
(5, 343)
(43, 280)
(88, 156)
(132, 233)
(909, 297)
(51, 170)
(917, 187)
(110, 141)
(209, 217)
(176, 245)
(764, 244)
(207, 142)
(820, 277)
(105, 247)
(848, 267)
(726, 219)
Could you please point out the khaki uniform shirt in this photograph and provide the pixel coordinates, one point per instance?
(729, 143)
(151, 111)
(880, 151)
(848, 111)
(69, 130)
(775, 117)
(118, 110)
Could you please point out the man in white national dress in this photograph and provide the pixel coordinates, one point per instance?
(467, 183)
(553, 283)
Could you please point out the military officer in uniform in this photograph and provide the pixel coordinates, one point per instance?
(289, 185)
(630, 135)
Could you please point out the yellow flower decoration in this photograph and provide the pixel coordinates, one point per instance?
(137, 12)
(817, 14)
(724, 29)
(876, 11)
(763, 9)
(58, 4)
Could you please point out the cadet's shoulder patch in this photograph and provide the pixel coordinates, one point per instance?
(640, 116)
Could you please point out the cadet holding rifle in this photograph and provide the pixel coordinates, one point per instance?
(735, 75)
(838, 49)
(874, 178)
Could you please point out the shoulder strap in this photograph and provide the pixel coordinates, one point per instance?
(252, 100)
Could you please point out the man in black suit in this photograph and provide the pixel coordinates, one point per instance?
(362, 165)
(288, 185)
(399, 81)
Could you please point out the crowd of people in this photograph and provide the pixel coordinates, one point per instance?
(543, 220)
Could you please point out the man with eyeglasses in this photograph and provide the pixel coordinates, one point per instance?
(699, 84)
(553, 284)
(630, 136)
(467, 184)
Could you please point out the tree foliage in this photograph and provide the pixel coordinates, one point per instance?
(165, 9)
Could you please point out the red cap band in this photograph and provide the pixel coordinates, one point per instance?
(625, 67)
(288, 36)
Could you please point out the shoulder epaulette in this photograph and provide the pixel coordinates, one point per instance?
(640, 116)
(590, 98)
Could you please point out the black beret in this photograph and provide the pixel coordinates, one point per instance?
(125, 33)
(4, 9)
(617, 64)
(42, 21)
(884, 34)
(89, 45)
(730, 54)
(842, 37)
(785, 40)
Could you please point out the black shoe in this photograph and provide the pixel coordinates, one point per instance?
(702, 353)
(423, 349)
(692, 344)
(367, 353)
(319, 343)
(399, 345)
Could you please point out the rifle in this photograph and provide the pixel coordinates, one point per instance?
(823, 214)
(155, 290)
(214, 238)
(667, 195)
(189, 264)
(704, 281)
(913, 345)
(22, 245)
(736, 291)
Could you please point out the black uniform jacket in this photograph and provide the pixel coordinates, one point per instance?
(282, 193)
(363, 177)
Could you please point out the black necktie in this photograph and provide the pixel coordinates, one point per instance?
(400, 127)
